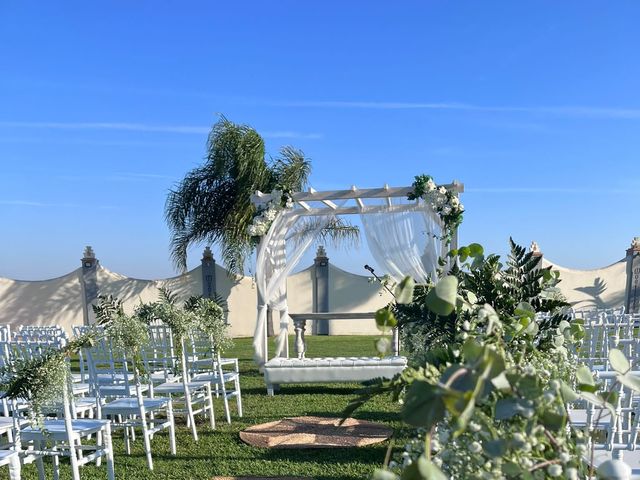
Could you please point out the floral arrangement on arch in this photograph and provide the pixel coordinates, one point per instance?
(266, 213)
(442, 200)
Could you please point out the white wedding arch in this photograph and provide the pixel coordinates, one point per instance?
(405, 237)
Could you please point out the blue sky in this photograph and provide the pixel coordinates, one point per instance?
(104, 106)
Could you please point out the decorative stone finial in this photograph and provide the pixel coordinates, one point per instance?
(321, 252)
(207, 254)
(635, 246)
(535, 249)
(89, 257)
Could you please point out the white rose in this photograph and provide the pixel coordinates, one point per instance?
(442, 190)
(431, 186)
(455, 201)
(446, 210)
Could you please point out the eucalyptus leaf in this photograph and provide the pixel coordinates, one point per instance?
(423, 405)
(385, 319)
(404, 290)
(380, 474)
(495, 448)
(423, 469)
(584, 375)
(475, 250)
(599, 401)
(553, 421)
(441, 299)
(568, 395)
(524, 309)
(630, 380)
(618, 361)
(509, 407)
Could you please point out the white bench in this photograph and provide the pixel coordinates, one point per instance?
(330, 369)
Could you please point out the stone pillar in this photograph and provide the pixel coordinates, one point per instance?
(321, 290)
(89, 281)
(208, 274)
(632, 298)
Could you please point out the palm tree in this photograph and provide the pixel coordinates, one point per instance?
(212, 204)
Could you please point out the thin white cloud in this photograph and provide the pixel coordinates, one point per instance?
(599, 191)
(29, 203)
(569, 111)
(119, 177)
(143, 127)
(289, 134)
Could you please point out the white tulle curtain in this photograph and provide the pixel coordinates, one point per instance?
(404, 242)
(277, 257)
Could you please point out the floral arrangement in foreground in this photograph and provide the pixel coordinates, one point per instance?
(488, 394)
(42, 380)
(442, 200)
(265, 214)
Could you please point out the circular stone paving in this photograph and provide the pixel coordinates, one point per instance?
(315, 432)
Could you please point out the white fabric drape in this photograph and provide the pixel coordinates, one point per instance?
(273, 266)
(404, 242)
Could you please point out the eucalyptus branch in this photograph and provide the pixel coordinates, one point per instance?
(544, 464)
(380, 280)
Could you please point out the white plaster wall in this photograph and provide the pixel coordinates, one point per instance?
(354, 293)
(599, 288)
(57, 301)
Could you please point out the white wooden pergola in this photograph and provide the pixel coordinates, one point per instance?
(271, 254)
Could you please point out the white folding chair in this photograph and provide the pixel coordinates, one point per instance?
(195, 397)
(124, 402)
(205, 364)
(65, 434)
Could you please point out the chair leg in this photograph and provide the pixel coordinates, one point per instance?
(225, 398)
(75, 468)
(108, 446)
(238, 397)
(127, 442)
(40, 463)
(190, 417)
(146, 440)
(56, 464)
(99, 442)
(14, 468)
(209, 399)
(172, 427)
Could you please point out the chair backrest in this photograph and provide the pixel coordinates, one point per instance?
(33, 350)
(109, 366)
(39, 333)
(159, 354)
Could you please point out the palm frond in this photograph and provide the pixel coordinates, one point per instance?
(292, 169)
(337, 233)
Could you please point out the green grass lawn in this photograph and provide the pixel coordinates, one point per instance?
(221, 452)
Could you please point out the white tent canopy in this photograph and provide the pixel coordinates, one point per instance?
(404, 238)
